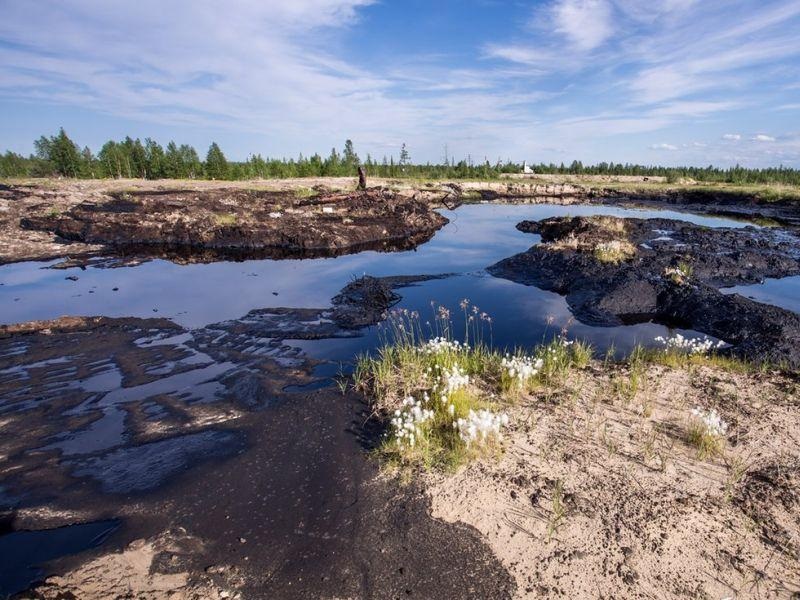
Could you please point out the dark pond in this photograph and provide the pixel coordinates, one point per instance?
(199, 294)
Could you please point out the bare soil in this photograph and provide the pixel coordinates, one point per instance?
(600, 495)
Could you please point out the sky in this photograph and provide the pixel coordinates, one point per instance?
(668, 82)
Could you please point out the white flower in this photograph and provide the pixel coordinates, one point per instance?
(454, 379)
(520, 369)
(689, 345)
(408, 421)
(480, 426)
(711, 420)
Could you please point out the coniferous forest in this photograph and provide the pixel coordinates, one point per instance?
(60, 156)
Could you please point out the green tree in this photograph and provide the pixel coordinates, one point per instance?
(173, 162)
(61, 152)
(351, 160)
(191, 162)
(154, 159)
(216, 163)
(405, 158)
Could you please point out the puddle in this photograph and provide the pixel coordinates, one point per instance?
(25, 552)
(196, 295)
(141, 468)
(784, 293)
(325, 373)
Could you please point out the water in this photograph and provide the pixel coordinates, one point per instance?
(784, 293)
(200, 294)
(23, 552)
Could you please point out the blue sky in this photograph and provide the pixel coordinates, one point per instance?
(648, 81)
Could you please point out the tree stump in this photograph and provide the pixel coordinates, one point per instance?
(362, 179)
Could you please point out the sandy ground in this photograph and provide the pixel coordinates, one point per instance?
(639, 514)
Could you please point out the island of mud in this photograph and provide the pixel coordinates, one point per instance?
(616, 271)
(194, 225)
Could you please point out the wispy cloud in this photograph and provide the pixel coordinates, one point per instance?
(598, 79)
(585, 23)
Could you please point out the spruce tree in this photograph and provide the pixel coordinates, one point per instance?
(216, 164)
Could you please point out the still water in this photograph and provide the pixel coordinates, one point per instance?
(477, 236)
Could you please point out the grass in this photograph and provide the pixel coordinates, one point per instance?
(681, 274)
(707, 443)
(225, 219)
(304, 192)
(614, 252)
(558, 510)
(450, 395)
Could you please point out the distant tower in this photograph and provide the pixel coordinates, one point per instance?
(526, 169)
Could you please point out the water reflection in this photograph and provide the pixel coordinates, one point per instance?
(196, 295)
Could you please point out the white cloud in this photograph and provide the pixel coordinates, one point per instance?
(763, 138)
(732, 137)
(586, 23)
(669, 147)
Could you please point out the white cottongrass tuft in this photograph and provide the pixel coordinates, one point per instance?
(439, 345)
(521, 368)
(407, 421)
(454, 379)
(689, 345)
(480, 426)
(711, 421)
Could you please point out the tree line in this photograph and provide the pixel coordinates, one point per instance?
(59, 156)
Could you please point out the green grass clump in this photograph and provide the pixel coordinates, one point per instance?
(614, 252)
(708, 443)
(304, 192)
(442, 399)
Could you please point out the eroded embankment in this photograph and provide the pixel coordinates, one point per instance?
(204, 221)
(245, 220)
(208, 223)
(225, 483)
(616, 271)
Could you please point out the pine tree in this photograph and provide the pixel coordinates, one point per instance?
(405, 159)
(351, 160)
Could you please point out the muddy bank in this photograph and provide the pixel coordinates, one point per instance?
(221, 483)
(241, 220)
(621, 271)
